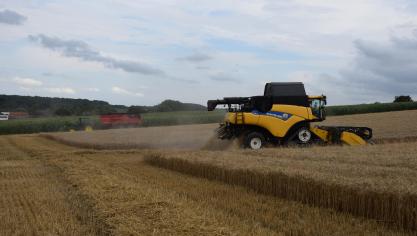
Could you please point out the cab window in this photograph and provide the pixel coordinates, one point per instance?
(317, 106)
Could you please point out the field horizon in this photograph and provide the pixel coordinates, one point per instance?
(172, 118)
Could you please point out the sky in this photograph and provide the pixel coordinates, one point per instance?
(143, 52)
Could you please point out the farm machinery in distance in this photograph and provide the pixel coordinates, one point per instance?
(109, 121)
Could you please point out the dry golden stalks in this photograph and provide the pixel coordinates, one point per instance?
(391, 209)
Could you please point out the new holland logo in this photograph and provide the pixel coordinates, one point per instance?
(276, 114)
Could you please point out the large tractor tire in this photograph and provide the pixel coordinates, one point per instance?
(303, 135)
(254, 140)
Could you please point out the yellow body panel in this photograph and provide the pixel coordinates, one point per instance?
(346, 137)
(315, 97)
(279, 125)
(240, 118)
(352, 139)
(321, 133)
(304, 112)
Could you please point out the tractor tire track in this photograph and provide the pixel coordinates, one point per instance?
(38, 199)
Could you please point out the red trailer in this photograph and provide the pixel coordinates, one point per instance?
(118, 120)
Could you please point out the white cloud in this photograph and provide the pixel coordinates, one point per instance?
(64, 90)
(118, 90)
(300, 76)
(27, 82)
(92, 89)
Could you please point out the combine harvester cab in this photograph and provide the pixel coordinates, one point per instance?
(283, 115)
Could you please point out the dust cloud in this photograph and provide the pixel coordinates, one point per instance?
(182, 137)
(216, 144)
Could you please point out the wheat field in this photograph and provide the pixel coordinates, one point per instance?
(173, 181)
(84, 191)
(376, 182)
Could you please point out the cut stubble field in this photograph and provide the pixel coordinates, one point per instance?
(179, 180)
(118, 193)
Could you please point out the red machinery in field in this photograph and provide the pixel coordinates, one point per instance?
(120, 120)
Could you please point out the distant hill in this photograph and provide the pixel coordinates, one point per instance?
(48, 106)
(167, 105)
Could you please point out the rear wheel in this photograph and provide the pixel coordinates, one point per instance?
(254, 140)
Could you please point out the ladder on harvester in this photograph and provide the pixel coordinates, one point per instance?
(239, 117)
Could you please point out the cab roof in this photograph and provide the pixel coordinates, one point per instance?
(284, 89)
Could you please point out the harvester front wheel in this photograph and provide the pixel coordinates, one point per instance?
(304, 135)
(254, 140)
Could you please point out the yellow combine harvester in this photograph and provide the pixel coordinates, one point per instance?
(283, 115)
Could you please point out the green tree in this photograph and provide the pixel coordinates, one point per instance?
(137, 110)
(62, 112)
(169, 105)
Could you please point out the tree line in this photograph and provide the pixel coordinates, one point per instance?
(47, 106)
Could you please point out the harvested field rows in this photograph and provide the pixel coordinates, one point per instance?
(387, 127)
(133, 198)
(377, 182)
(171, 137)
(33, 199)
